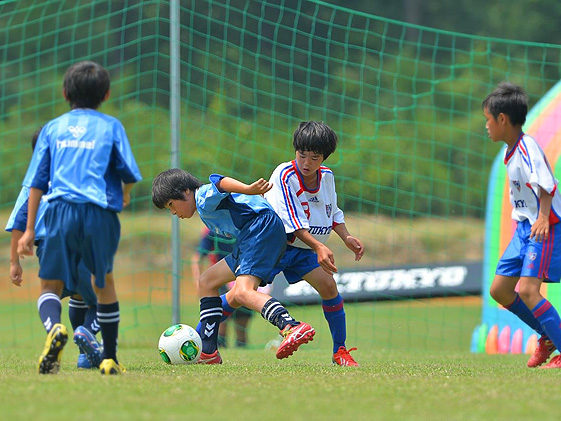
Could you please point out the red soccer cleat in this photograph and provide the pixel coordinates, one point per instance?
(343, 357)
(294, 336)
(554, 363)
(543, 351)
(213, 358)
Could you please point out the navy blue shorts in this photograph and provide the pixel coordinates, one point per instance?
(78, 232)
(528, 258)
(84, 281)
(296, 263)
(259, 247)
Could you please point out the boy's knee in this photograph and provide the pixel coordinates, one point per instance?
(328, 290)
(528, 292)
(500, 294)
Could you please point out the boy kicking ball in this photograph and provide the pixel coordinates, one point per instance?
(233, 209)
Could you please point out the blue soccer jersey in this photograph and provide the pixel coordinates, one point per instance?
(85, 155)
(226, 213)
(18, 217)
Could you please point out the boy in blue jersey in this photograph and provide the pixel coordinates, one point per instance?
(233, 209)
(533, 255)
(81, 307)
(86, 157)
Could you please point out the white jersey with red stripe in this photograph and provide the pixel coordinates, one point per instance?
(528, 170)
(302, 208)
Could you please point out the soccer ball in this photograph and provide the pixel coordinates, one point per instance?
(180, 344)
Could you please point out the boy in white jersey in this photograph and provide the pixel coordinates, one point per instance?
(82, 159)
(534, 253)
(303, 195)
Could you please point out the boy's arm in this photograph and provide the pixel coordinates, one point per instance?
(15, 267)
(25, 243)
(231, 185)
(354, 244)
(127, 194)
(540, 229)
(325, 255)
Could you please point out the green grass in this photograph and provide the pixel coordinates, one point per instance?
(414, 356)
(252, 384)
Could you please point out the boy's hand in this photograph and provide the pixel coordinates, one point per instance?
(25, 243)
(260, 186)
(355, 245)
(15, 274)
(540, 229)
(326, 259)
(126, 199)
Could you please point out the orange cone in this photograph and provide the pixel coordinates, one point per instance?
(491, 344)
(532, 344)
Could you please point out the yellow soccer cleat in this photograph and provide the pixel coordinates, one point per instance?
(49, 361)
(110, 367)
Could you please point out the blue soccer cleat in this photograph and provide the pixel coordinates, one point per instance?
(88, 344)
(83, 362)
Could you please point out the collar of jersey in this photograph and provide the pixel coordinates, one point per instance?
(301, 179)
(510, 153)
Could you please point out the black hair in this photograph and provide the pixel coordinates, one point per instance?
(510, 100)
(172, 184)
(315, 136)
(86, 84)
(34, 137)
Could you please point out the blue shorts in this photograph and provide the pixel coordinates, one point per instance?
(84, 282)
(78, 232)
(296, 263)
(259, 247)
(528, 258)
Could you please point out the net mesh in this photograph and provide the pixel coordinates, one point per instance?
(411, 166)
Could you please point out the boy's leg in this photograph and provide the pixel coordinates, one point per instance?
(108, 317)
(77, 310)
(57, 335)
(211, 309)
(334, 312)
(241, 322)
(295, 333)
(503, 291)
(543, 311)
(332, 304)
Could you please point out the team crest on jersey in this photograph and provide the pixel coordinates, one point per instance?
(516, 184)
(328, 210)
(314, 199)
(77, 131)
(532, 256)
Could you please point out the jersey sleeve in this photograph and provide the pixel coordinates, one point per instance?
(208, 196)
(18, 217)
(539, 170)
(283, 197)
(38, 172)
(124, 162)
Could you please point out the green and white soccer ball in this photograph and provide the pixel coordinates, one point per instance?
(180, 344)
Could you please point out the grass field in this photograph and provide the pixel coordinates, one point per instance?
(415, 364)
